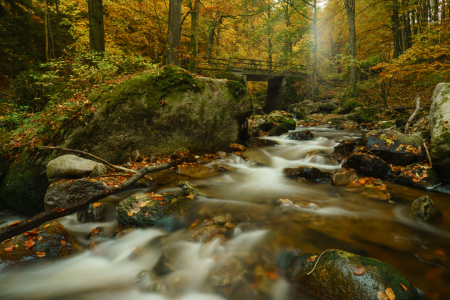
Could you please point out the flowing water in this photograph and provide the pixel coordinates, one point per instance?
(246, 264)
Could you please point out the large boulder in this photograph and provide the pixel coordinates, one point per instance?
(158, 114)
(369, 165)
(394, 147)
(364, 114)
(308, 173)
(439, 128)
(341, 275)
(423, 209)
(48, 242)
(63, 193)
(69, 166)
(275, 123)
(418, 176)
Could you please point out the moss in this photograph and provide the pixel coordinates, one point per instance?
(387, 124)
(24, 185)
(236, 88)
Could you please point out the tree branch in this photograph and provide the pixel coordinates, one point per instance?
(48, 215)
(119, 168)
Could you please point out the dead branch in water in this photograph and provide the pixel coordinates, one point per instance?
(428, 153)
(90, 155)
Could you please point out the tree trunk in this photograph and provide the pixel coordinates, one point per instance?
(408, 31)
(288, 42)
(436, 11)
(195, 16)
(315, 88)
(395, 30)
(212, 33)
(173, 54)
(218, 40)
(443, 8)
(46, 33)
(96, 26)
(403, 33)
(351, 9)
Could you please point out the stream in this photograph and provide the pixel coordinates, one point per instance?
(322, 217)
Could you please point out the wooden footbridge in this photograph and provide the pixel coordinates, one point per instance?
(251, 69)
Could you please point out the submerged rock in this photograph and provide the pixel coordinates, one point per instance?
(310, 173)
(69, 167)
(256, 142)
(63, 193)
(206, 233)
(341, 275)
(48, 242)
(347, 125)
(146, 210)
(343, 177)
(305, 135)
(394, 147)
(419, 176)
(95, 212)
(188, 189)
(439, 129)
(423, 209)
(369, 165)
(194, 170)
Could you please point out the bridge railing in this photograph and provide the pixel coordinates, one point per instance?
(242, 63)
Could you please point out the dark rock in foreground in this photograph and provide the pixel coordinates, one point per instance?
(343, 177)
(95, 212)
(311, 173)
(418, 176)
(369, 165)
(305, 135)
(48, 242)
(341, 275)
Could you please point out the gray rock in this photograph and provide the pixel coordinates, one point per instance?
(439, 128)
(423, 209)
(343, 177)
(100, 170)
(63, 193)
(69, 167)
(188, 189)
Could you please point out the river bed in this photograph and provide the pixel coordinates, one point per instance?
(323, 217)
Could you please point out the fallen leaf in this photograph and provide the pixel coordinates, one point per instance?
(63, 242)
(59, 209)
(130, 214)
(10, 248)
(40, 254)
(13, 224)
(95, 230)
(96, 204)
(312, 258)
(403, 286)
(116, 186)
(191, 196)
(30, 242)
(46, 225)
(382, 296)
(390, 294)
(359, 271)
(39, 238)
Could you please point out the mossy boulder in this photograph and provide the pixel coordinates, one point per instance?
(347, 125)
(304, 135)
(157, 114)
(394, 147)
(276, 123)
(341, 275)
(364, 114)
(25, 183)
(418, 176)
(423, 209)
(146, 210)
(439, 129)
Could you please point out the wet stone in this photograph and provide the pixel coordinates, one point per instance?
(224, 168)
(369, 165)
(305, 135)
(310, 173)
(194, 170)
(256, 142)
(206, 233)
(343, 177)
(423, 209)
(331, 274)
(418, 176)
(69, 167)
(96, 212)
(237, 148)
(188, 189)
(48, 242)
(96, 233)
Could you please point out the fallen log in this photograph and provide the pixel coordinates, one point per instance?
(48, 215)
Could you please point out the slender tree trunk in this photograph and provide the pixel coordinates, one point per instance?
(212, 33)
(195, 16)
(408, 31)
(395, 30)
(443, 8)
(218, 40)
(269, 15)
(315, 88)
(350, 6)
(288, 42)
(173, 55)
(403, 33)
(436, 11)
(47, 50)
(96, 26)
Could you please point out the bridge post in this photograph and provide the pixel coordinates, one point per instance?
(274, 98)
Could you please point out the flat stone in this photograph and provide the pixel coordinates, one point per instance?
(69, 167)
(343, 177)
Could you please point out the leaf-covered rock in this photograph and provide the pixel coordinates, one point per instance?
(418, 176)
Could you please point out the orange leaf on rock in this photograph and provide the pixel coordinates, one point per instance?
(390, 294)
(95, 230)
(59, 209)
(30, 242)
(130, 214)
(40, 254)
(359, 271)
(63, 242)
(10, 248)
(96, 204)
(191, 196)
(39, 238)
(13, 224)
(403, 286)
(312, 258)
